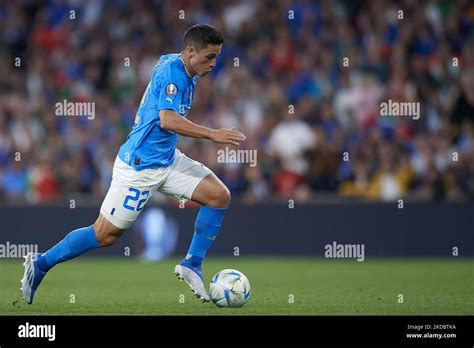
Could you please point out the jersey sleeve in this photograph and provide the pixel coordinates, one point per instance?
(170, 90)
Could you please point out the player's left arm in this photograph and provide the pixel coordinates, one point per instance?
(170, 120)
(170, 92)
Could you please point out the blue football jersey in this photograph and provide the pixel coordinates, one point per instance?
(170, 87)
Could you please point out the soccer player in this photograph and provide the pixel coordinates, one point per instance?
(148, 161)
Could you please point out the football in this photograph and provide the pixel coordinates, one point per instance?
(229, 288)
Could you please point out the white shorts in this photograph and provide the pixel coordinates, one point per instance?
(130, 189)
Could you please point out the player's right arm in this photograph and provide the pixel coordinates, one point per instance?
(170, 120)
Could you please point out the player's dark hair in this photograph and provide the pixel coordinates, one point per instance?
(201, 35)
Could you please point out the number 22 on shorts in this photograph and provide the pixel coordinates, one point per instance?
(135, 197)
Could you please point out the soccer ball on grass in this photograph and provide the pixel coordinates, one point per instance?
(229, 288)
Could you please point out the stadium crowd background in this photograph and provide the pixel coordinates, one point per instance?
(281, 62)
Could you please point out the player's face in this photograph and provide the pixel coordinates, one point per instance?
(203, 61)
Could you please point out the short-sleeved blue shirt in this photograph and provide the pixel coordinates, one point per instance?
(170, 87)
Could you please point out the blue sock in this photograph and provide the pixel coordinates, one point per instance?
(206, 228)
(74, 244)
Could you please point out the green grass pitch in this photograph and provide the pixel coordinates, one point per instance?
(126, 286)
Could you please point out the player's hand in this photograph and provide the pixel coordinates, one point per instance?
(227, 136)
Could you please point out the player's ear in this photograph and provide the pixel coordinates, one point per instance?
(191, 51)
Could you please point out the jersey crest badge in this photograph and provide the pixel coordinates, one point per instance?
(171, 89)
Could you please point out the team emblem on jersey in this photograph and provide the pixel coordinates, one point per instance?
(171, 89)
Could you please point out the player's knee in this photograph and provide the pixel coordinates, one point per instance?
(225, 197)
(108, 240)
(106, 233)
(221, 198)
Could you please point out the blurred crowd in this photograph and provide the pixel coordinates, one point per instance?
(303, 80)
